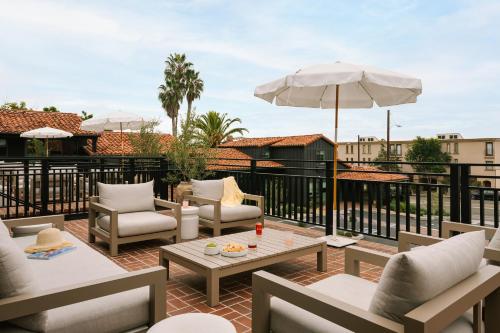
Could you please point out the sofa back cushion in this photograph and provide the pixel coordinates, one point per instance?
(16, 278)
(211, 189)
(3, 228)
(127, 198)
(412, 278)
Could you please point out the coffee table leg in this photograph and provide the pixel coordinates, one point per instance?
(321, 257)
(165, 263)
(213, 287)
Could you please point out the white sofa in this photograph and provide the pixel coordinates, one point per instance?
(80, 291)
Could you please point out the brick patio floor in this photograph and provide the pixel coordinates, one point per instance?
(186, 290)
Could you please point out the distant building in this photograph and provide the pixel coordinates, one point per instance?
(462, 150)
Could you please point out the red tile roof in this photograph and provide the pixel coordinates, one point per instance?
(362, 173)
(283, 141)
(109, 143)
(19, 121)
(224, 158)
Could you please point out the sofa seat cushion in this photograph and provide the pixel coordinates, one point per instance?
(286, 317)
(115, 313)
(139, 223)
(230, 214)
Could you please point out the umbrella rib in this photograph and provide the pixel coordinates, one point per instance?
(366, 91)
(323, 94)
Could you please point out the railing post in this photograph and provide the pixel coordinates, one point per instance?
(163, 175)
(26, 185)
(131, 170)
(102, 176)
(455, 192)
(253, 178)
(44, 184)
(329, 197)
(465, 200)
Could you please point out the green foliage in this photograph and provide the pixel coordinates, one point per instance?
(189, 156)
(214, 128)
(148, 141)
(50, 109)
(382, 157)
(14, 106)
(427, 150)
(86, 116)
(181, 80)
(36, 147)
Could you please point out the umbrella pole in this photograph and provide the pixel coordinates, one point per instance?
(335, 154)
(121, 137)
(46, 147)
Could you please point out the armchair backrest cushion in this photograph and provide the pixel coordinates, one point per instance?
(16, 278)
(211, 189)
(127, 198)
(412, 278)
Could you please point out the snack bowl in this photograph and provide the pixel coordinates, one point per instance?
(211, 249)
(234, 250)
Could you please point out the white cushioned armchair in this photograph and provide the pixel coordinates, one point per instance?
(212, 214)
(126, 214)
(437, 288)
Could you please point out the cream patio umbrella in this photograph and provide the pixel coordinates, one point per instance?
(46, 133)
(340, 85)
(114, 121)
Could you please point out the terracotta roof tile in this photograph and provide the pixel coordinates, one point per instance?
(109, 143)
(19, 121)
(356, 174)
(283, 141)
(225, 155)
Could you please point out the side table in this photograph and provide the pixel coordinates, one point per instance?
(189, 226)
(193, 323)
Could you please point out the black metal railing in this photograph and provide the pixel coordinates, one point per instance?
(370, 201)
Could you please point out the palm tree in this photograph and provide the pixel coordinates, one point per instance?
(215, 128)
(171, 94)
(194, 88)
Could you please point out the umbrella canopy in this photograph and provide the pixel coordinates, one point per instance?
(360, 87)
(340, 85)
(113, 121)
(46, 133)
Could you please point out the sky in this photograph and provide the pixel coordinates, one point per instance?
(104, 56)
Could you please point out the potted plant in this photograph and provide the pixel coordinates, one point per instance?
(189, 158)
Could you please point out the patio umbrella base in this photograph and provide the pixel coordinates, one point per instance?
(338, 241)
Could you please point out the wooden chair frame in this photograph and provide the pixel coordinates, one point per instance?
(112, 237)
(432, 316)
(23, 305)
(216, 224)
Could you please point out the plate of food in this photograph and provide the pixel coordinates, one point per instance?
(211, 249)
(234, 250)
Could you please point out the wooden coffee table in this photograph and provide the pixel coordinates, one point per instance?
(271, 249)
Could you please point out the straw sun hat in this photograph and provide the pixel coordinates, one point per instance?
(48, 240)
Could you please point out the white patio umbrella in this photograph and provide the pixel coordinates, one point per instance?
(46, 133)
(341, 85)
(114, 121)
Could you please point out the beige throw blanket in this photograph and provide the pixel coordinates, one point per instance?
(232, 194)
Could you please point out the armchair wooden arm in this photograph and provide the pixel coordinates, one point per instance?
(439, 312)
(449, 228)
(56, 220)
(201, 200)
(354, 255)
(407, 239)
(176, 207)
(100, 208)
(22, 305)
(265, 285)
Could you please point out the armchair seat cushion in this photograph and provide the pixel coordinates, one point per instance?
(114, 313)
(231, 214)
(286, 317)
(139, 223)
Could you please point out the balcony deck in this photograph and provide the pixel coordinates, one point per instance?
(186, 290)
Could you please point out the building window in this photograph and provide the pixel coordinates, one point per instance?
(364, 149)
(369, 149)
(347, 149)
(265, 154)
(320, 155)
(448, 148)
(489, 167)
(352, 149)
(3, 147)
(455, 160)
(369, 159)
(489, 148)
(363, 159)
(398, 151)
(455, 148)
